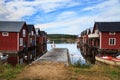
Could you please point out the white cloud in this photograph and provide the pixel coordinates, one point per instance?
(67, 15)
(15, 10)
(72, 20)
(103, 6)
(73, 26)
(51, 5)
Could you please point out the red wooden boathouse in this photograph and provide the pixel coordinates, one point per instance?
(31, 42)
(44, 41)
(13, 40)
(106, 36)
(39, 41)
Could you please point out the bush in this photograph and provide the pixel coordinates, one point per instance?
(8, 72)
(79, 64)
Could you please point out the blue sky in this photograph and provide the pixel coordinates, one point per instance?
(60, 16)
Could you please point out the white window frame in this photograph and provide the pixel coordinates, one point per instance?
(24, 33)
(112, 33)
(113, 39)
(5, 33)
(21, 41)
(32, 33)
(30, 40)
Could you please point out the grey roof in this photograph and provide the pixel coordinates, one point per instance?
(11, 26)
(108, 26)
(43, 33)
(30, 27)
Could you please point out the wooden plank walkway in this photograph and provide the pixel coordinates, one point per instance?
(56, 55)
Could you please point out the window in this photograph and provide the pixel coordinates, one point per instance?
(32, 33)
(24, 33)
(21, 41)
(24, 44)
(112, 41)
(30, 40)
(5, 34)
(112, 33)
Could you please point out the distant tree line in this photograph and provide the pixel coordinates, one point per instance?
(62, 38)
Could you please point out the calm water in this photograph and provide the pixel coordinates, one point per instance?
(74, 53)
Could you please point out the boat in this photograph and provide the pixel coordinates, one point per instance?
(108, 60)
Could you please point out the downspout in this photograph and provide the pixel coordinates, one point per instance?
(100, 40)
(18, 43)
(35, 47)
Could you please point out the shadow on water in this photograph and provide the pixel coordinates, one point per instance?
(74, 52)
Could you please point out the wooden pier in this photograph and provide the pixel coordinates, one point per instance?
(56, 55)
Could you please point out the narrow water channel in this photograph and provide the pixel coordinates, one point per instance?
(74, 53)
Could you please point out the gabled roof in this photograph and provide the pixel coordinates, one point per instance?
(30, 27)
(42, 33)
(11, 26)
(108, 26)
(37, 31)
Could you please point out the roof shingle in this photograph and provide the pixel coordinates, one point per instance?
(108, 26)
(11, 26)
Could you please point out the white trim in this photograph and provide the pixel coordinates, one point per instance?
(17, 41)
(32, 33)
(112, 33)
(31, 41)
(100, 40)
(24, 33)
(21, 41)
(114, 42)
(93, 35)
(5, 33)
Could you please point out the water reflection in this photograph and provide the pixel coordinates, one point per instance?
(74, 53)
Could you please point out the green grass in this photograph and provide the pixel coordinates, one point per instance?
(99, 70)
(9, 72)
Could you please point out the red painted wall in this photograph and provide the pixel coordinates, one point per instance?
(105, 41)
(85, 39)
(25, 39)
(31, 36)
(40, 40)
(8, 42)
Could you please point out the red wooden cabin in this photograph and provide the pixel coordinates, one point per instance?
(39, 42)
(84, 42)
(106, 35)
(44, 42)
(13, 40)
(31, 42)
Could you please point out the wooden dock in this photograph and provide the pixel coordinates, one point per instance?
(56, 55)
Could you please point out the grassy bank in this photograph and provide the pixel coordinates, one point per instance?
(58, 71)
(96, 72)
(8, 72)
